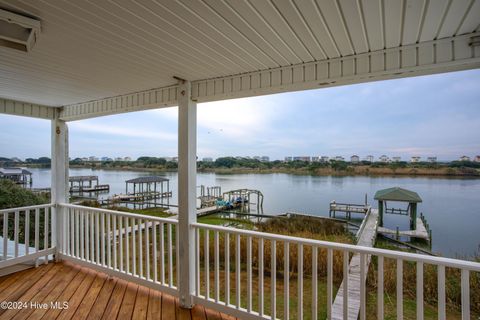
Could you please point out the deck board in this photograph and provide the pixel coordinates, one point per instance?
(128, 303)
(78, 296)
(141, 304)
(19, 282)
(30, 292)
(52, 294)
(90, 295)
(113, 306)
(66, 294)
(98, 308)
(154, 304)
(89, 299)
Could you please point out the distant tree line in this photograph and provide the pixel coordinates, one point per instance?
(247, 163)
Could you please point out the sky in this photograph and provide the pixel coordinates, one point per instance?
(437, 115)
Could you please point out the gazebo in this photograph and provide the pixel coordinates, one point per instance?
(398, 194)
(18, 175)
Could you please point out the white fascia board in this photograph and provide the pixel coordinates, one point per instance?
(20, 108)
(444, 55)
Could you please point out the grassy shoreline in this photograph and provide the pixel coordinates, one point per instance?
(366, 171)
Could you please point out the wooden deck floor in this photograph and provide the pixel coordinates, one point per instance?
(90, 295)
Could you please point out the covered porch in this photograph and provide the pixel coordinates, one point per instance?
(84, 60)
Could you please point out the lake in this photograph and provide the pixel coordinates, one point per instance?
(451, 206)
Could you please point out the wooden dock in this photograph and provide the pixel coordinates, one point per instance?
(141, 196)
(347, 208)
(420, 232)
(209, 210)
(366, 238)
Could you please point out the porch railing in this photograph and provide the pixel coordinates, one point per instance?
(26, 234)
(138, 248)
(235, 273)
(245, 273)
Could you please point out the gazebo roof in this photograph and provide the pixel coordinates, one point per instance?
(149, 179)
(397, 194)
(14, 171)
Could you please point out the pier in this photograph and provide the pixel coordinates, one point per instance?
(347, 208)
(148, 190)
(366, 236)
(420, 231)
(80, 184)
(209, 195)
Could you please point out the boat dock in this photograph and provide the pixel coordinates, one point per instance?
(348, 208)
(80, 184)
(365, 237)
(420, 231)
(141, 196)
(209, 210)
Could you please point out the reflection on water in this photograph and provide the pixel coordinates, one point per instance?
(451, 206)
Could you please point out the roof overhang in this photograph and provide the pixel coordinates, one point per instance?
(101, 58)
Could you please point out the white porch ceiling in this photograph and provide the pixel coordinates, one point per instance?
(89, 50)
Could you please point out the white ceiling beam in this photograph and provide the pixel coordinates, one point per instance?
(137, 101)
(19, 108)
(444, 55)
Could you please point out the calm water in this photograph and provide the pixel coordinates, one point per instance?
(451, 206)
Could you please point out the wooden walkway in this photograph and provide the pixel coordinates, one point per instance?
(209, 210)
(366, 238)
(89, 295)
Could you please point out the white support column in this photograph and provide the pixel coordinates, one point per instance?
(187, 181)
(59, 182)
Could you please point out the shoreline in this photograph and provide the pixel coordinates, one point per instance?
(365, 171)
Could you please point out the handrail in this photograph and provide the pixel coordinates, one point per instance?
(40, 206)
(447, 262)
(119, 213)
(364, 222)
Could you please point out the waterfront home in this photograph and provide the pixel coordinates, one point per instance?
(477, 159)
(354, 159)
(302, 158)
(65, 61)
(396, 159)
(415, 159)
(464, 158)
(432, 159)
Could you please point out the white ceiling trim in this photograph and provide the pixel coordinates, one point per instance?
(18, 108)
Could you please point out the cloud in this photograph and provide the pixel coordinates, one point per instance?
(116, 130)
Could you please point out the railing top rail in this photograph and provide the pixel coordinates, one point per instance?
(447, 262)
(40, 206)
(119, 213)
(364, 222)
(349, 204)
